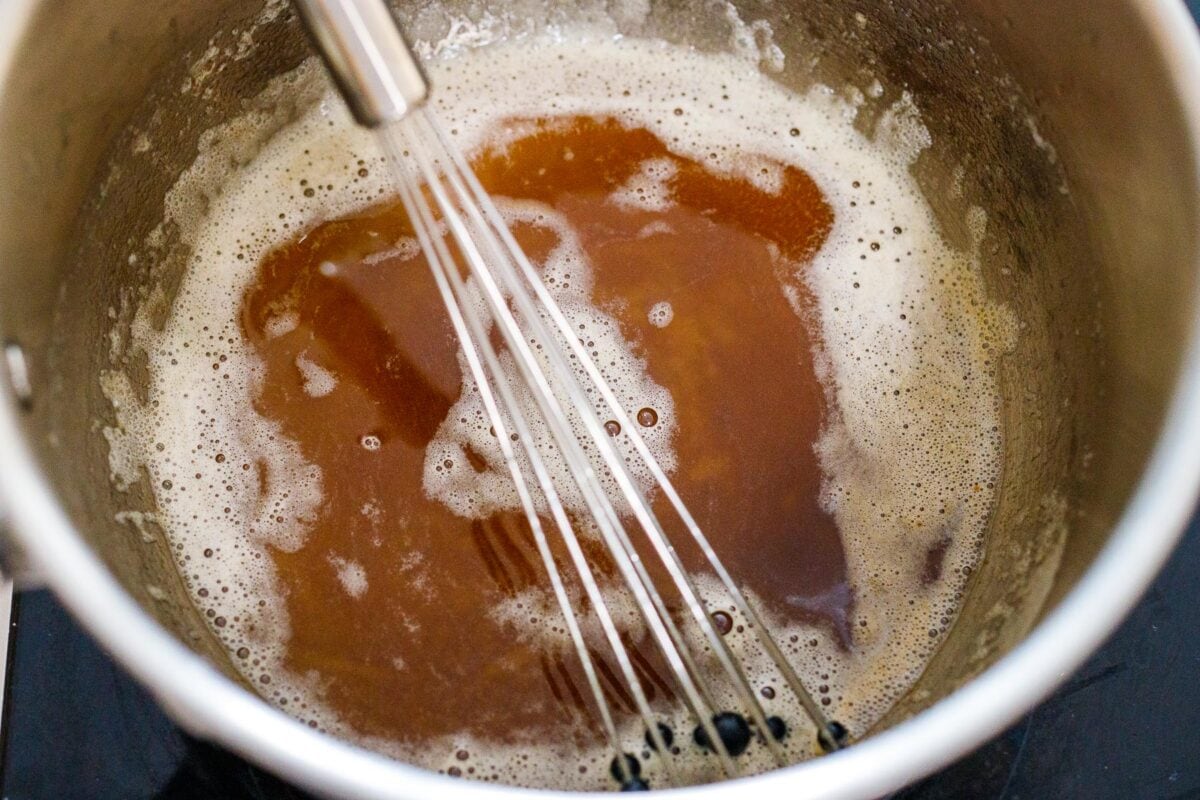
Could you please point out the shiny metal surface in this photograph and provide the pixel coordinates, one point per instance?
(6, 629)
(1101, 397)
(366, 53)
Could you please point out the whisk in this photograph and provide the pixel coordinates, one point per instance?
(464, 237)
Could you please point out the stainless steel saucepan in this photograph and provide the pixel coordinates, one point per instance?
(1075, 124)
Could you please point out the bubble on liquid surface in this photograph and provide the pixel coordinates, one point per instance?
(661, 314)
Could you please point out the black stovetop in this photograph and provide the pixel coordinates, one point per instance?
(1125, 727)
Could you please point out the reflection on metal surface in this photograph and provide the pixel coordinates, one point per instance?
(18, 373)
(6, 608)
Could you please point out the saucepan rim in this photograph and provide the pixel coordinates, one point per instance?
(210, 705)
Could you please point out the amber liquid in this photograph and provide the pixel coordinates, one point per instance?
(418, 655)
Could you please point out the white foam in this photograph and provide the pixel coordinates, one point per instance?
(659, 226)
(318, 381)
(648, 189)
(351, 575)
(406, 248)
(910, 454)
(281, 324)
(661, 314)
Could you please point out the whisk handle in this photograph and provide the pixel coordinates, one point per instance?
(373, 66)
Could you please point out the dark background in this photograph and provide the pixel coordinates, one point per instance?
(1125, 727)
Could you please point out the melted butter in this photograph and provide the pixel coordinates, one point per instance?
(735, 357)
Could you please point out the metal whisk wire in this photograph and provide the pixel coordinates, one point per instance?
(502, 255)
(453, 292)
(477, 202)
(650, 604)
(385, 88)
